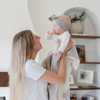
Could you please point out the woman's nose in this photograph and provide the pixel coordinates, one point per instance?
(39, 37)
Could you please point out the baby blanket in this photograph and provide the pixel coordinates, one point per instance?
(51, 63)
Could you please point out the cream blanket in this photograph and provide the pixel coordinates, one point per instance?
(61, 92)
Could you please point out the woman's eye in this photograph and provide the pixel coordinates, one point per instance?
(36, 37)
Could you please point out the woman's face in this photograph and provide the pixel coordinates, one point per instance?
(37, 45)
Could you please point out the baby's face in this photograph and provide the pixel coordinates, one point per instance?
(57, 28)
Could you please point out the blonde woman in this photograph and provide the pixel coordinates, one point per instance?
(28, 80)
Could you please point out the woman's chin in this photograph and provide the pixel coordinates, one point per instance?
(40, 46)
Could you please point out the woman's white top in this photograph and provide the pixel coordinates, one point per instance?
(34, 89)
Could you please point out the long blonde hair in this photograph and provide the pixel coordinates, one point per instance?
(22, 50)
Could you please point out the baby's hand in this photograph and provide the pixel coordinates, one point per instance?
(57, 52)
(52, 31)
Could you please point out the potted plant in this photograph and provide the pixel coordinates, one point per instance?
(77, 27)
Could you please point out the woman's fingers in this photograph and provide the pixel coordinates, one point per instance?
(59, 41)
(70, 44)
(71, 41)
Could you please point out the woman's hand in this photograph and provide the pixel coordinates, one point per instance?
(70, 45)
(60, 77)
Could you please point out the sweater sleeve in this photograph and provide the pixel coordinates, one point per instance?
(64, 40)
(49, 36)
(64, 44)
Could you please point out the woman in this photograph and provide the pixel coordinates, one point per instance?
(28, 80)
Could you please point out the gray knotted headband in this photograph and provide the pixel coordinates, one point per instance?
(59, 22)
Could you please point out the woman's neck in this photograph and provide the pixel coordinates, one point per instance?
(34, 56)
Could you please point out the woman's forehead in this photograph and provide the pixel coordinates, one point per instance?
(34, 35)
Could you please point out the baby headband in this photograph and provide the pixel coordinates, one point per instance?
(59, 22)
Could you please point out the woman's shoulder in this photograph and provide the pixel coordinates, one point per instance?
(31, 62)
(33, 69)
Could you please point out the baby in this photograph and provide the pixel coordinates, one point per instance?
(59, 31)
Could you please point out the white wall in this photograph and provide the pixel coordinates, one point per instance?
(14, 17)
(4, 92)
(41, 10)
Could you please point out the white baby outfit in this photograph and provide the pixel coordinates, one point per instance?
(60, 92)
(64, 40)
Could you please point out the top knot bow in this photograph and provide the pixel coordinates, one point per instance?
(53, 17)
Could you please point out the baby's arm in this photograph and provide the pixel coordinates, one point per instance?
(63, 45)
(57, 52)
(49, 34)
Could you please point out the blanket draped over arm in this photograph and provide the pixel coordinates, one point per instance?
(52, 63)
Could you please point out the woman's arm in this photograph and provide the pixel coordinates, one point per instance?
(60, 77)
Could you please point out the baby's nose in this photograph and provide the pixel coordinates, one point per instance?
(53, 27)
